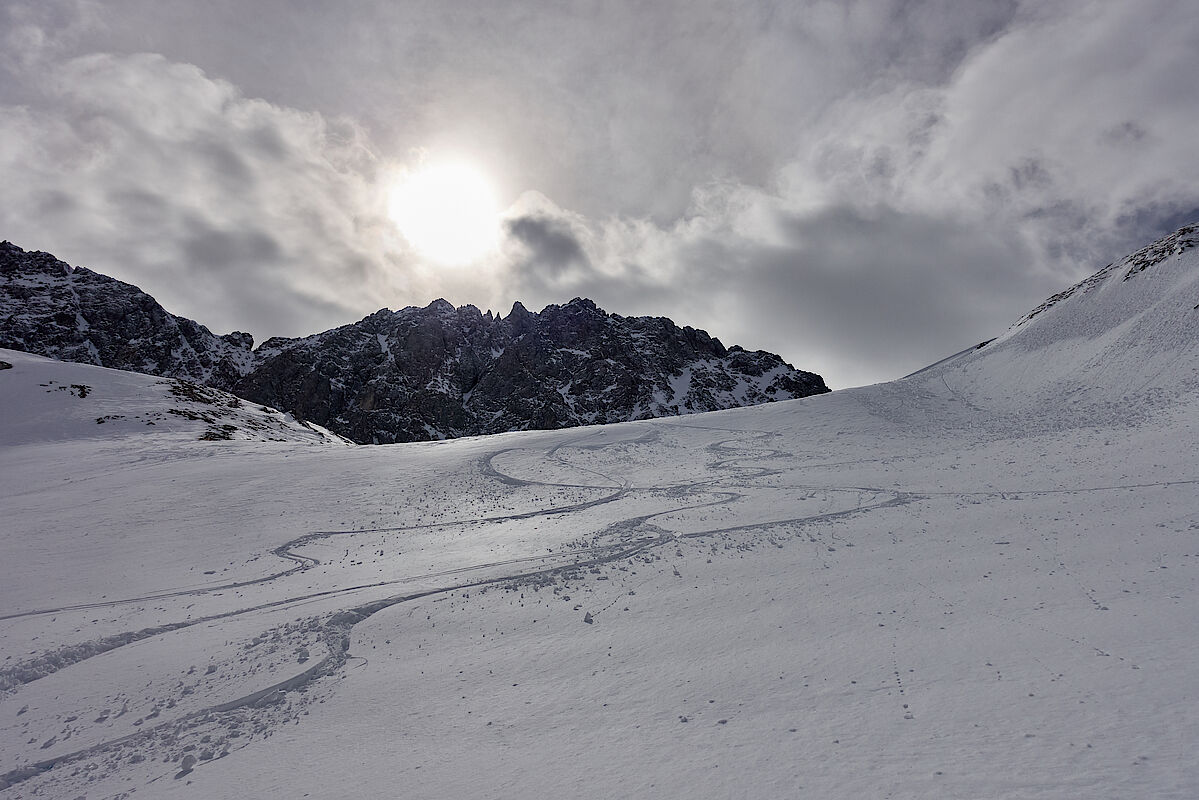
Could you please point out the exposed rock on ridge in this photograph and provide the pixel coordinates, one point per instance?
(413, 374)
(1151, 255)
(49, 308)
(437, 371)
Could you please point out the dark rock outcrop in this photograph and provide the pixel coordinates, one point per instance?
(413, 374)
(52, 309)
(441, 371)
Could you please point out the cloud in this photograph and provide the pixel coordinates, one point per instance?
(862, 187)
(871, 294)
(229, 209)
(549, 243)
(619, 106)
(916, 217)
(26, 43)
(1069, 118)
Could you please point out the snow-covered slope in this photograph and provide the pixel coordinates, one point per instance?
(1123, 340)
(980, 581)
(45, 401)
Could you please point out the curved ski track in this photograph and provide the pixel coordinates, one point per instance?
(619, 540)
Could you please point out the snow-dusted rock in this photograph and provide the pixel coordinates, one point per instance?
(441, 372)
(415, 374)
(51, 309)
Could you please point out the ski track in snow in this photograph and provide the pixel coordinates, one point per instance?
(735, 457)
(976, 581)
(626, 546)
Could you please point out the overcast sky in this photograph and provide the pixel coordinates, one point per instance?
(861, 187)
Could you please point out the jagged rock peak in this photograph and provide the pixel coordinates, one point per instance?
(584, 303)
(13, 260)
(428, 373)
(240, 339)
(74, 314)
(418, 373)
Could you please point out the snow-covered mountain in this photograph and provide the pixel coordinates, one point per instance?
(409, 375)
(1125, 336)
(1114, 348)
(440, 371)
(979, 581)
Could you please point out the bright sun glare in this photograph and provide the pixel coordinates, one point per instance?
(447, 211)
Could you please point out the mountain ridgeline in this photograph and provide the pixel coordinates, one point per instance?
(409, 375)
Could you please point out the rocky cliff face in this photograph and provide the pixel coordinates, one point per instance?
(442, 371)
(413, 374)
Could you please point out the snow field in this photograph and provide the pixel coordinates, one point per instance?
(979, 581)
(1009, 593)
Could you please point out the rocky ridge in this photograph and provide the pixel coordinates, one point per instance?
(50, 308)
(413, 374)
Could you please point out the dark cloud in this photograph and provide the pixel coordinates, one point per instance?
(224, 164)
(550, 244)
(222, 250)
(1151, 221)
(268, 141)
(1126, 134)
(878, 295)
(53, 203)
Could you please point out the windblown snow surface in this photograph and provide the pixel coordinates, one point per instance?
(979, 581)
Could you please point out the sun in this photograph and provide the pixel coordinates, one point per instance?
(448, 212)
